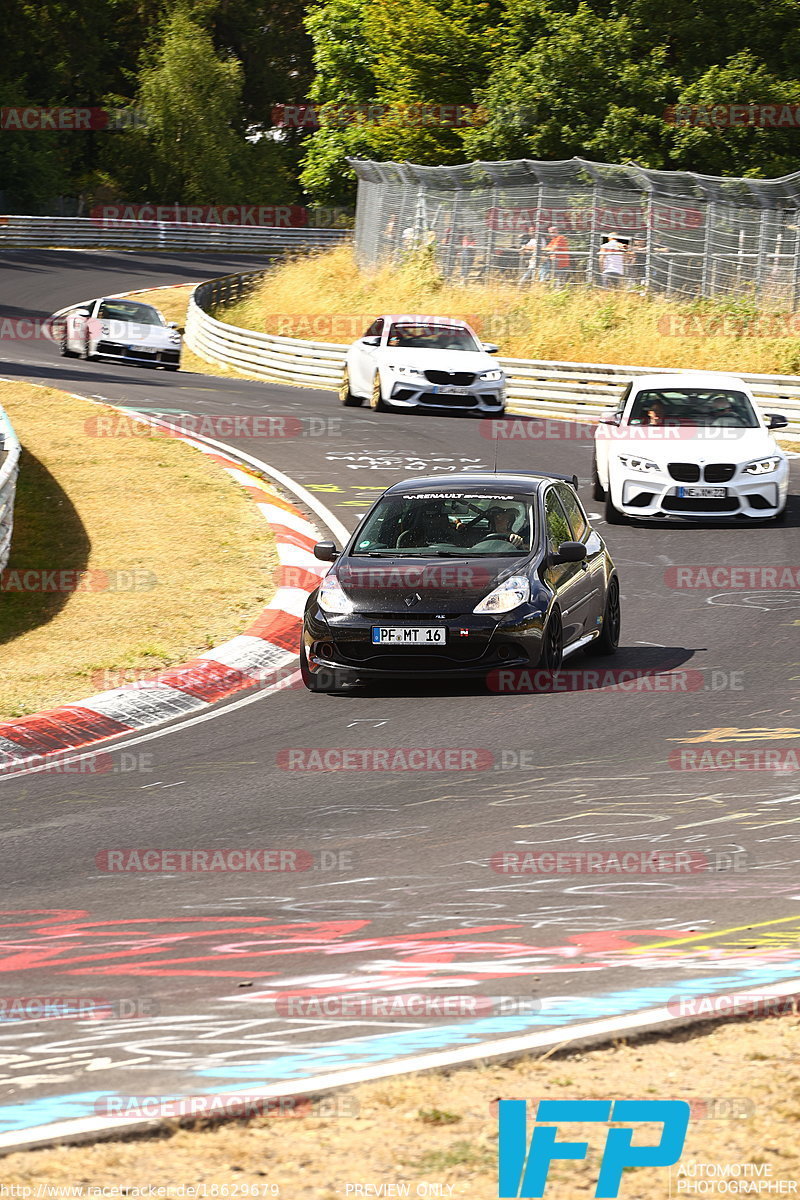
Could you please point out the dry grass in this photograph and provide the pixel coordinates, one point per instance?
(300, 298)
(442, 1129)
(120, 504)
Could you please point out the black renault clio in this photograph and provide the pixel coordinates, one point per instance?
(458, 577)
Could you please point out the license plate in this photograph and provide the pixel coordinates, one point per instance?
(703, 493)
(448, 389)
(402, 635)
(143, 350)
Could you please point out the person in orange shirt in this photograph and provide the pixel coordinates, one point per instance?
(557, 256)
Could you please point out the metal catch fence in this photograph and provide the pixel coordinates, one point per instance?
(679, 233)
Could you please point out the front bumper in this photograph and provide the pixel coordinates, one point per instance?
(121, 352)
(657, 495)
(483, 398)
(344, 643)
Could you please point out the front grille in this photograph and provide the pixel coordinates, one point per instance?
(694, 504)
(719, 472)
(458, 378)
(435, 399)
(110, 348)
(684, 472)
(399, 658)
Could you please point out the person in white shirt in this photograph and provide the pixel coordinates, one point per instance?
(612, 262)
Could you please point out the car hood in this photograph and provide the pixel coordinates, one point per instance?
(439, 360)
(719, 444)
(137, 334)
(410, 587)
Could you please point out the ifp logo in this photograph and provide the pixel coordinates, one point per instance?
(523, 1170)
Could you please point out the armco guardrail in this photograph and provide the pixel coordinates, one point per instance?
(76, 232)
(9, 465)
(535, 386)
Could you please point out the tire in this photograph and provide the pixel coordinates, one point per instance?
(345, 395)
(322, 681)
(89, 357)
(612, 513)
(64, 348)
(552, 643)
(172, 368)
(376, 401)
(608, 642)
(598, 491)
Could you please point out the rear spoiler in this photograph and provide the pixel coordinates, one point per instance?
(573, 479)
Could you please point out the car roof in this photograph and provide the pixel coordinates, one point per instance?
(423, 318)
(690, 379)
(480, 481)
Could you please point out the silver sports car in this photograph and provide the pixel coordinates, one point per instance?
(125, 330)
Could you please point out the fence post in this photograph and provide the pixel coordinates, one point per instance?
(705, 286)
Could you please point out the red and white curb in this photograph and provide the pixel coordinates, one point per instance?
(258, 657)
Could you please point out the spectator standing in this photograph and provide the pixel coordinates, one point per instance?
(556, 253)
(612, 262)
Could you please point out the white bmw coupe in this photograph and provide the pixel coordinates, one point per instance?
(433, 363)
(690, 445)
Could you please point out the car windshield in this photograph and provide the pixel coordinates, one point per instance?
(448, 524)
(693, 406)
(427, 336)
(121, 310)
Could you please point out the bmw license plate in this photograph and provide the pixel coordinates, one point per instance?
(403, 635)
(448, 389)
(702, 493)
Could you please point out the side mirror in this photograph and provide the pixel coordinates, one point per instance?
(326, 551)
(777, 421)
(371, 341)
(490, 347)
(81, 312)
(568, 552)
(614, 419)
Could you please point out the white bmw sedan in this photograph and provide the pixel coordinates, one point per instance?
(125, 330)
(690, 445)
(433, 363)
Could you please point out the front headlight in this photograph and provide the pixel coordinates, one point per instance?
(491, 376)
(332, 597)
(634, 463)
(174, 337)
(515, 591)
(408, 371)
(763, 466)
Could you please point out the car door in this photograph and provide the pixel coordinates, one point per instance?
(570, 581)
(363, 359)
(595, 556)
